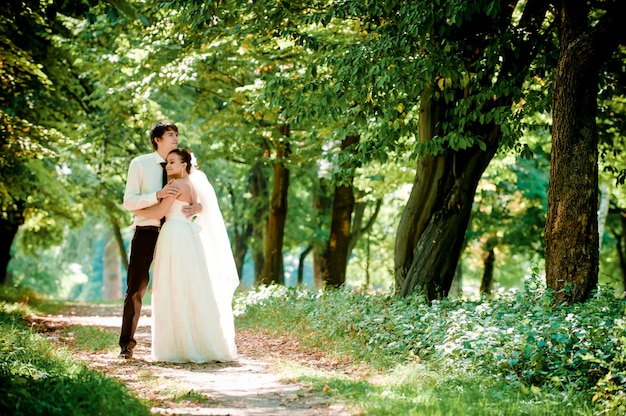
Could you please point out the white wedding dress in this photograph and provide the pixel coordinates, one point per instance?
(192, 289)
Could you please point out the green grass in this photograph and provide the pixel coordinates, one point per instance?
(195, 397)
(89, 338)
(25, 301)
(39, 378)
(415, 390)
(517, 354)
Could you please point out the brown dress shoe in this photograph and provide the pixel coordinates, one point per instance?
(126, 354)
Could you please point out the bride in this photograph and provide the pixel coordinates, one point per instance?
(194, 272)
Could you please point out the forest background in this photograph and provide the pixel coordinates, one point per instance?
(448, 147)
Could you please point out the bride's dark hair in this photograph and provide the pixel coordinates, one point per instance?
(185, 155)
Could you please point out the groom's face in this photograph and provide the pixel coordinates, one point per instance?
(168, 142)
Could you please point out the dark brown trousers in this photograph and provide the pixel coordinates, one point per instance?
(141, 255)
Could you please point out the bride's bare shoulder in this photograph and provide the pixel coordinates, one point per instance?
(185, 187)
(182, 183)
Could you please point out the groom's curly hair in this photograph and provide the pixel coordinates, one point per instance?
(158, 130)
(185, 155)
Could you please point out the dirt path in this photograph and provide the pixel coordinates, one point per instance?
(251, 386)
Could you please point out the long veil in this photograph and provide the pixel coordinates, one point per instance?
(217, 250)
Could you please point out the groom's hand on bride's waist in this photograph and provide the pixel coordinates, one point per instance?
(192, 209)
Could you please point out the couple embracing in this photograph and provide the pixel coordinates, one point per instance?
(194, 274)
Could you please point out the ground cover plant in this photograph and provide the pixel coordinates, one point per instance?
(515, 354)
(39, 378)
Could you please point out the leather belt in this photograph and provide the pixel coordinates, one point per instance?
(152, 228)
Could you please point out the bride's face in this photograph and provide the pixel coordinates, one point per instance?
(175, 165)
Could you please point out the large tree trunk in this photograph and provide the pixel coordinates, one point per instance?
(571, 224)
(432, 228)
(433, 225)
(273, 253)
(341, 219)
(9, 227)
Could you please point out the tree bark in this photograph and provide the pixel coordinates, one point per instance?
(456, 288)
(486, 283)
(322, 204)
(620, 249)
(301, 263)
(340, 225)
(9, 230)
(432, 228)
(257, 183)
(242, 230)
(320, 261)
(121, 247)
(9, 226)
(603, 211)
(273, 252)
(572, 242)
(241, 247)
(619, 246)
(358, 229)
(111, 270)
(433, 225)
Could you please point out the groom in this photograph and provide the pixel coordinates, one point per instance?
(145, 187)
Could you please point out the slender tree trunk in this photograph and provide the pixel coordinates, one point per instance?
(121, 246)
(343, 204)
(358, 229)
(9, 227)
(9, 230)
(368, 257)
(572, 242)
(112, 264)
(273, 253)
(603, 211)
(619, 244)
(621, 249)
(242, 230)
(320, 260)
(486, 284)
(432, 228)
(340, 225)
(322, 204)
(301, 263)
(258, 190)
(241, 247)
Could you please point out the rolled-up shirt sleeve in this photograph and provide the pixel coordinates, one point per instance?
(137, 196)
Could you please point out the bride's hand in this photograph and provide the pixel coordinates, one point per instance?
(168, 190)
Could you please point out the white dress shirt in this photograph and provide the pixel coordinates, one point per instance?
(143, 182)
